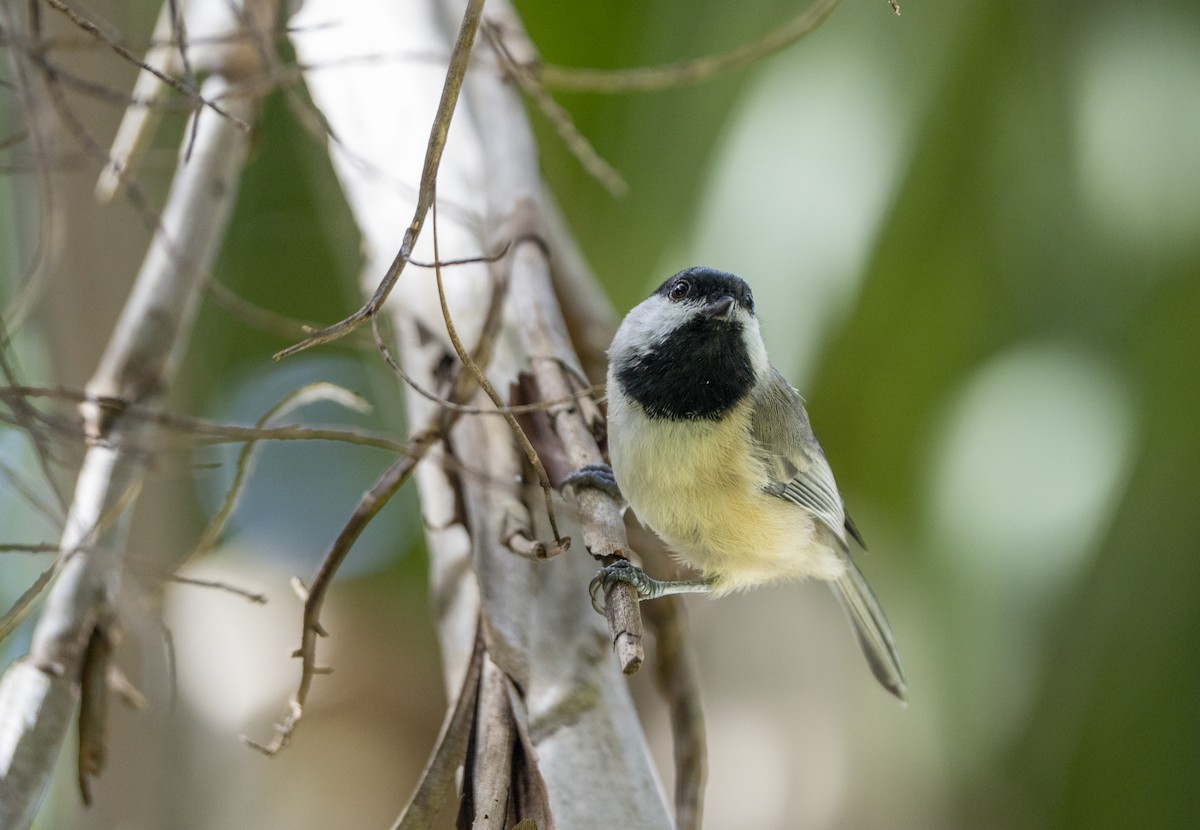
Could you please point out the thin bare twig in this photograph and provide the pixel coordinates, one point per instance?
(13, 139)
(467, 260)
(208, 432)
(297, 398)
(518, 542)
(13, 616)
(432, 397)
(224, 434)
(28, 547)
(180, 42)
(260, 317)
(455, 72)
(52, 513)
(645, 79)
(71, 43)
(388, 484)
(34, 278)
(175, 84)
(436, 428)
(25, 418)
(136, 367)
(490, 390)
(576, 142)
(254, 596)
(675, 671)
(119, 97)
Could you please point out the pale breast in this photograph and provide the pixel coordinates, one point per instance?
(690, 484)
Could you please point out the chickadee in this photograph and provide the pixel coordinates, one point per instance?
(712, 449)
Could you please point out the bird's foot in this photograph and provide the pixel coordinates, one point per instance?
(597, 476)
(646, 586)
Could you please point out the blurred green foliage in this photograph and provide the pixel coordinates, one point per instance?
(1033, 243)
(1036, 132)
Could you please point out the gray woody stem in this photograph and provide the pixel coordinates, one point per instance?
(38, 694)
(515, 206)
(578, 756)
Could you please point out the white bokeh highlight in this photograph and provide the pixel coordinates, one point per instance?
(1031, 452)
(799, 189)
(1137, 128)
(1029, 461)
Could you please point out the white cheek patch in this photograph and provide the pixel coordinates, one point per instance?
(646, 326)
(651, 321)
(752, 337)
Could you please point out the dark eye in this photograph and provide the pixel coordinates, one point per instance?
(748, 301)
(680, 290)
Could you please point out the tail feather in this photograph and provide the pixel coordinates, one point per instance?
(871, 626)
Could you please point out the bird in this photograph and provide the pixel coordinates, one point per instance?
(713, 450)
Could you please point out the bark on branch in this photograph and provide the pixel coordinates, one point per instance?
(68, 655)
(39, 693)
(571, 731)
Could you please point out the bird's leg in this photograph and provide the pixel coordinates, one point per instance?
(600, 477)
(646, 586)
(596, 476)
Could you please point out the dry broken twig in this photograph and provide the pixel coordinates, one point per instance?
(395, 477)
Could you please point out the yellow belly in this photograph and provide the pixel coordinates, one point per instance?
(706, 500)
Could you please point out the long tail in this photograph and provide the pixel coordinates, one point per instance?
(871, 626)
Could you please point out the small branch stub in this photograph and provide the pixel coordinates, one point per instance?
(621, 607)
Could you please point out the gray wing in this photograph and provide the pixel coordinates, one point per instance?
(800, 474)
(795, 462)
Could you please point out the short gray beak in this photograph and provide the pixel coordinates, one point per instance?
(721, 307)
